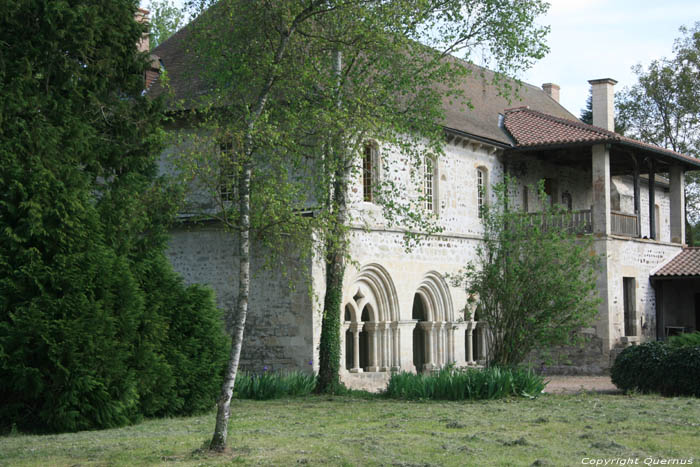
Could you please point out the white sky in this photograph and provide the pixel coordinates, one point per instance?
(593, 39)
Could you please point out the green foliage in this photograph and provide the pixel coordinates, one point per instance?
(671, 369)
(165, 20)
(663, 108)
(273, 385)
(640, 367)
(466, 384)
(88, 339)
(688, 339)
(533, 282)
(682, 372)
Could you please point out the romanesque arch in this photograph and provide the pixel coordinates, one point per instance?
(371, 321)
(433, 336)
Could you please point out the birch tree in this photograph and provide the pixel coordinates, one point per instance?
(303, 83)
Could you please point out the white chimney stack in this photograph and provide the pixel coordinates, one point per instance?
(552, 90)
(603, 103)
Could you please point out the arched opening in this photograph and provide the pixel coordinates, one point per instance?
(477, 336)
(419, 313)
(364, 339)
(349, 340)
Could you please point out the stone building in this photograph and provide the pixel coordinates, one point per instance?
(400, 312)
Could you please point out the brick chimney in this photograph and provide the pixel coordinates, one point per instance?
(141, 16)
(552, 90)
(603, 103)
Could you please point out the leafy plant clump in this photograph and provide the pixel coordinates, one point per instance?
(669, 369)
(466, 384)
(689, 339)
(273, 385)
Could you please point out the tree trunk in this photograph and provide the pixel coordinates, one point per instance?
(335, 252)
(223, 412)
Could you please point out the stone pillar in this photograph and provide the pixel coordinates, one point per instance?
(600, 156)
(371, 329)
(356, 328)
(343, 346)
(386, 346)
(406, 345)
(652, 201)
(637, 198)
(470, 342)
(396, 354)
(450, 344)
(427, 326)
(483, 340)
(458, 336)
(677, 200)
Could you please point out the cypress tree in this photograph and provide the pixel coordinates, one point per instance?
(96, 330)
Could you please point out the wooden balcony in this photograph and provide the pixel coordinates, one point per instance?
(623, 224)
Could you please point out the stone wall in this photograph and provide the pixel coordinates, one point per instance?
(280, 322)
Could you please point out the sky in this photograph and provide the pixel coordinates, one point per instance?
(592, 39)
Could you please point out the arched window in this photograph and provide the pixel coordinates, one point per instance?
(429, 187)
(481, 187)
(370, 170)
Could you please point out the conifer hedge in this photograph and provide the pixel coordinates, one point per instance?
(96, 330)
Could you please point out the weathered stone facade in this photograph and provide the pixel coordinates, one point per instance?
(400, 311)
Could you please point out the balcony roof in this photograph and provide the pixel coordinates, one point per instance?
(532, 130)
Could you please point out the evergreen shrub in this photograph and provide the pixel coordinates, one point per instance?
(671, 369)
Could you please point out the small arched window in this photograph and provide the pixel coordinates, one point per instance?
(481, 187)
(370, 166)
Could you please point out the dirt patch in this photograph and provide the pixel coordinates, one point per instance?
(576, 384)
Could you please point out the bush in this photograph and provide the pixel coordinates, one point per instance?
(671, 369)
(640, 367)
(465, 384)
(271, 385)
(691, 339)
(682, 372)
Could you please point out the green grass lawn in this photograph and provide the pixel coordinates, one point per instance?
(552, 430)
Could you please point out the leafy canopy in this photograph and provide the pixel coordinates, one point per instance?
(533, 281)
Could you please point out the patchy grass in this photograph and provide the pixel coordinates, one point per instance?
(552, 430)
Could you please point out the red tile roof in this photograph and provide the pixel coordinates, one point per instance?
(685, 263)
(530, 128)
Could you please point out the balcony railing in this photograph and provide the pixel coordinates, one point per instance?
(576, 221)
(623, 224)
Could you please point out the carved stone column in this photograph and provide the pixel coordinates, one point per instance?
(355, 328)
(395, 354)
(427, 327)
(471, 325)
(371, 329)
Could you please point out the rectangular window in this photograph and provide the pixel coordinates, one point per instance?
(481, 190)
(525, 200)
(368, 160)
(227, 173)
(428, 183)
(629, 302)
